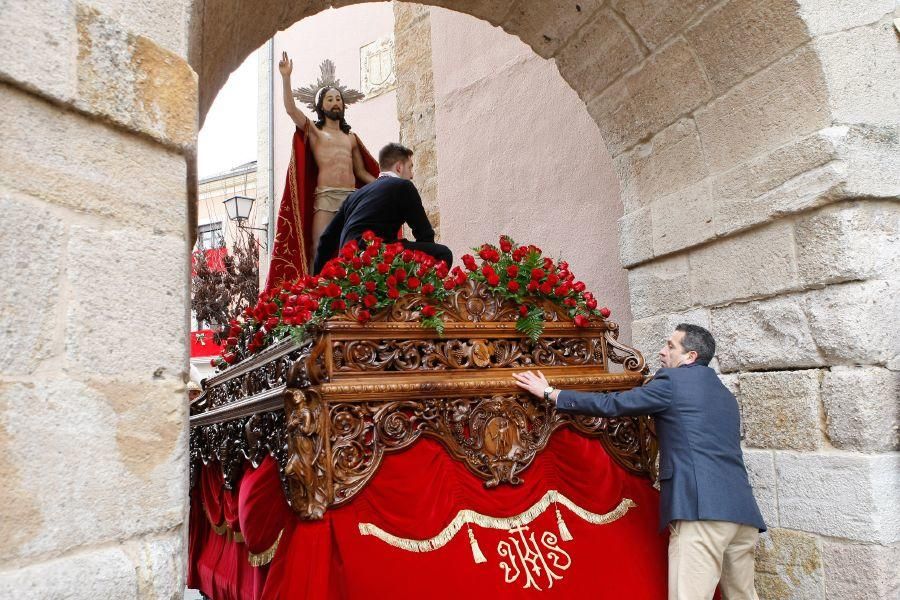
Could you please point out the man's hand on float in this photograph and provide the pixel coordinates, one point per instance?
(533, 383)
(285, 65)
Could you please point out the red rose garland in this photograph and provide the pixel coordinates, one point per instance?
(362, 281)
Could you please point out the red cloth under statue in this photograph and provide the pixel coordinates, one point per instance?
(371, 547)
(294, 246)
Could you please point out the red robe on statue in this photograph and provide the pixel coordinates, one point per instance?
(294, 245)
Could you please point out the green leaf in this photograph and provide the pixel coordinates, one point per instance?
(532, 324)
(435, 323)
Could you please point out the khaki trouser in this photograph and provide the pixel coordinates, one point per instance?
(705, 553)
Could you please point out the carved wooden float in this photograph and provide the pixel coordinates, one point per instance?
(329, 408)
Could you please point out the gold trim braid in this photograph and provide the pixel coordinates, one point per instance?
(265, 557)
(465, 517)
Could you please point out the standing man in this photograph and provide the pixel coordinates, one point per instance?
(328, 163)
(383, 207)
(705, 496)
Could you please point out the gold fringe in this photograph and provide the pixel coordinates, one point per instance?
(264, 558)
(467, 516)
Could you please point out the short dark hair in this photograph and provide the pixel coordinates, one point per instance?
(392, 154)
(699, 340)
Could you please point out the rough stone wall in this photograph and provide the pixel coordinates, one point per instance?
(415, 100)
(99, 114)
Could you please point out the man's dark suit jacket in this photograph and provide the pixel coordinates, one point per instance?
(382, 206)
(701, 466)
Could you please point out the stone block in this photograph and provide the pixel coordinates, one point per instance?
(786, 180)
(761, 471)
(493, 12)
(668, 85)
(164, 21)
(656, 20)
(91, 462)
(659, 287)
(780, 409)
(849, 241)
(841, 495)
(672, 160)
(756, 263)
(683, 219)
(158, 564)
(110, 308)
(546, 26)
(42, 32)
(738, 38)
(598, 54)
(134, 82)
(827, 17)
(101, 573)
(782, 103)
(860, 67)
(32, 253)
(862, 406)
(861, 571)
(770, 334)
(871, 159)
(635, 237)
(856, 323)
(789, 566)
(128, 180)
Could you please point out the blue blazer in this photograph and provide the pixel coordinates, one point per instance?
(701, 466)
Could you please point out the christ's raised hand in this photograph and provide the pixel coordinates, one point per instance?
(285, 65)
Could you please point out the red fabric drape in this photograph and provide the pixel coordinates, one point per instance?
(294, 245)
(418, 492)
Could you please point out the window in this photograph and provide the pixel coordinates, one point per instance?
(210, 236)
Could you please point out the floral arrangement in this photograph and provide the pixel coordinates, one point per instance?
(360, 281)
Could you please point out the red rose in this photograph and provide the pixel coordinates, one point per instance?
(288, 311)
(449, 284)
(413, 283)
(570, 302)
(428, 311)
(393, 293)
(546, 288)
(407, 255)
(505, 244)
(400, 274)
(230, 358)
(552, 279)
(369, 300)
(442, 269)
(333, 290)
(488, 271)
(234, 331)
(214, 362)
(591, 303)
(532, 286)
(513, 286)
(605, 312)
(356, 262)
(271, 322)
(512, 270)
(363, 316)
(354, 279)
(366, 260)
(368, 235)
(493, 280)
(469, 262)
(581, 321)
(427, 288)
(391, 281)
(370, 286)
(352, 297)
(383, 268)
(338, 305)
(523, 310)
(537, 274)
(578, 286)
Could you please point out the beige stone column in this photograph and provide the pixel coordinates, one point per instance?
(99, 113)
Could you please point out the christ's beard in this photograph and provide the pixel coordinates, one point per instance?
(335, 115)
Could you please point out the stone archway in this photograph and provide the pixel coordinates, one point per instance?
(756, 143)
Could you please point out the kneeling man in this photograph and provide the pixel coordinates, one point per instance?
(383, 206)
(705, 495)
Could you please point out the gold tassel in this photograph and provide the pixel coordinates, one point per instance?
(264, 558)
(477, 554)
(564, 533)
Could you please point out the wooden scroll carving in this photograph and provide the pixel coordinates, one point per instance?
(330, 409)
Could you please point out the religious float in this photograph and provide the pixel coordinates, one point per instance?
(364, 438)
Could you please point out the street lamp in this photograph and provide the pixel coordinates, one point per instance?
(238, 209)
